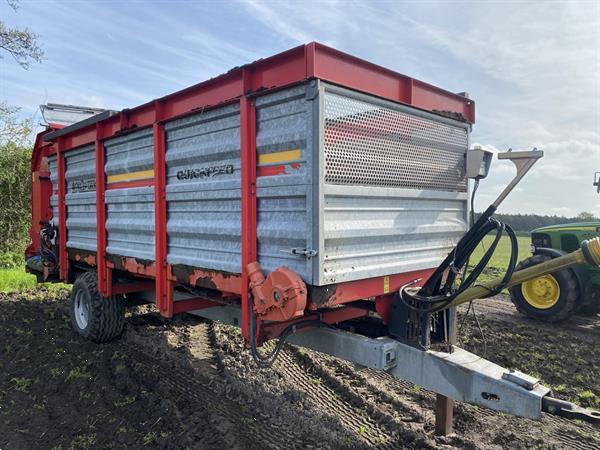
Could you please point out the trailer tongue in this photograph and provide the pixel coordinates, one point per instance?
(311, 196)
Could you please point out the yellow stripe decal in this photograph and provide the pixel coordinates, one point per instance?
(279, 157)
(131, 176)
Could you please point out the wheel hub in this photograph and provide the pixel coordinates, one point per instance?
(542, 292)
(82, 309)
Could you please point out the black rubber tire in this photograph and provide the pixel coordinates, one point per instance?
(105, 316)
(568, 302)
(591, 302)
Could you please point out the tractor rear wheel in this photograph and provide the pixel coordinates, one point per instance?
(591, 301)
(94, 317)
(551, 298)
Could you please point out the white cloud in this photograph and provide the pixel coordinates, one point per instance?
(281, 24)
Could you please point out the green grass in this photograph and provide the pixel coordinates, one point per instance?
(498, 263)
(12, 280)
(17, 280)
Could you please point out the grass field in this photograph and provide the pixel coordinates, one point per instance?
(15, 280)
(498, 263)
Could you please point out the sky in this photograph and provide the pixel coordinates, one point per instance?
(533, 68)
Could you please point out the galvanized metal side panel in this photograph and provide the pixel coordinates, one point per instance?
(129, 153)
(203, 185)
(203, 190)
(284, 143)
(130, 211)
(393, 193)
(80, 199)
(130, 222)
(53, 167)
(372, 231)
(370, 142)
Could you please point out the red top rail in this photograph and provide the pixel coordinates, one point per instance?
(312, 60)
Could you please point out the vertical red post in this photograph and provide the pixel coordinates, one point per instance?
(103, 272)
(164, 297)
(248, 200)
(63, 261)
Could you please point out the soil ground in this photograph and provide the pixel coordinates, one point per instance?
(189, 383)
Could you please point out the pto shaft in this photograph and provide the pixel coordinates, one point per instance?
(589, 253)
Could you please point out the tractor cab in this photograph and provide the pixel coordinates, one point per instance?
(557, 296)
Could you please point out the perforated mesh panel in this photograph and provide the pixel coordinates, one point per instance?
(370, 145)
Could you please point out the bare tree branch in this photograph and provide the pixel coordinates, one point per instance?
(21, 44)
(14, 4)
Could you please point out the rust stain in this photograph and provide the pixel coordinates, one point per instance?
(90, 259)
(321, 296)
(142, 267)
(209, 279)
(82, 256)
(133, 265)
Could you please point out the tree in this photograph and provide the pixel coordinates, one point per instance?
(15, 150)
(21, 44)
(586, 217)
(15, 176)
(12, 129)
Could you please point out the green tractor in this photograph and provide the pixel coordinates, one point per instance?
(557, 296)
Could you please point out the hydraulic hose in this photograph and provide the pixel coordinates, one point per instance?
(437, 294)
(266, 360)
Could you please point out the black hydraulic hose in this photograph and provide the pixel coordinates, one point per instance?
(266, 360)
(435, 296)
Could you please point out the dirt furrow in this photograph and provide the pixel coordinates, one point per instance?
(403, 401)
(367, 424)
(230, 418)
(332, 400)
(563, 430)
(190, 383)
(501, 307)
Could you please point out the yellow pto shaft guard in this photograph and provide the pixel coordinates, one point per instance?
(589, 253)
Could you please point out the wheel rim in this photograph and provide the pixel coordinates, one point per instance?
(82, 309)
(541, 292)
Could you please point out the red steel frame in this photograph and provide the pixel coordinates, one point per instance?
(294, 66)
(103, 270)
(41, 189)
(164, 288)
(248, 193)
